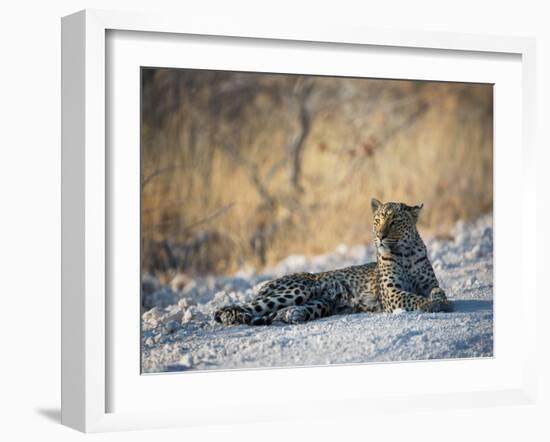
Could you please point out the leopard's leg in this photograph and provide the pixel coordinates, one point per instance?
(329, 296)
(337, 289)
(367, 302)
(276, 295)
(428, 286)
(312, 309)
(395, 299)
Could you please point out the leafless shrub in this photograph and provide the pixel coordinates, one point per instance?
(249, 168)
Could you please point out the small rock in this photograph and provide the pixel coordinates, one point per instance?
(186, 360)
(164, 339)
(221, 298)
(175, 314)
(172, 326)
(185, 303)
(152, 317)
(187, 316)
(193, 314)
(474, 253)
(236, 296)
(437, 264)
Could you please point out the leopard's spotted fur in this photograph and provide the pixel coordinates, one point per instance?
(402, 278)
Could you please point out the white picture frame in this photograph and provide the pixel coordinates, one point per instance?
(86, 205)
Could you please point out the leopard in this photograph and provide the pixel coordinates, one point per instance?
(401, 279)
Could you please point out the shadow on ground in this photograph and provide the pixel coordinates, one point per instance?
(51, 414)
(472, 305)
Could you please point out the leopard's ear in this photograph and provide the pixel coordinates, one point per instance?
(375, 204)
(415, 211)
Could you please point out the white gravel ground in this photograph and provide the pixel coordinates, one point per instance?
(179, 333)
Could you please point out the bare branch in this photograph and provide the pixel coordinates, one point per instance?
(158, 172)
(302, 92)
(211, 216)
(253, 173)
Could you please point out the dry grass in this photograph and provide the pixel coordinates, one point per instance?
(206, 170)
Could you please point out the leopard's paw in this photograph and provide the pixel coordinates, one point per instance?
(438, 302)
(233, 314)
(292, 315)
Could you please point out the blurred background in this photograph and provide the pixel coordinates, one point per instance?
(245, 169)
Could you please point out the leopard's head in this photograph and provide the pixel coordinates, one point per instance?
(393, 222)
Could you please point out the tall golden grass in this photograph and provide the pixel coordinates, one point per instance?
(216, 166)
